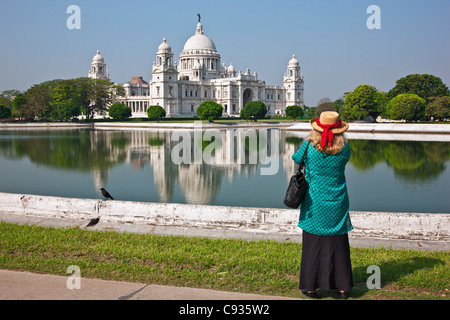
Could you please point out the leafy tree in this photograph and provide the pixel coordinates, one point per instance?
(102, 94)
(423, 85)
(339, 105)
(363, 101)
(438, 108)
(5, 112)
(18, 105)
(119, 111)
(310, 112)
(38, 102)
(406, 106)
(254, 110)
(209, 110)
(69, 110)
(95, 95)
(324, 104)
(7, 96)
(156, 113)
(294, 111)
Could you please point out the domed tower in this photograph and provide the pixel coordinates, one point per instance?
(163, 86)
(164, 57)
(293, 83)
(98, 68)
(199, 59)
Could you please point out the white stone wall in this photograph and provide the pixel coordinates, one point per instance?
(282, 222)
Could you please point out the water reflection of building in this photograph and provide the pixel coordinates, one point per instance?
(110, 145)
(199, 183)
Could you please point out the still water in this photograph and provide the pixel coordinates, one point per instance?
(398, 176)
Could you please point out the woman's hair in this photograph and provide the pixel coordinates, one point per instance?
(338, 142)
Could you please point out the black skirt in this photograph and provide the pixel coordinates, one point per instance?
(325, 263)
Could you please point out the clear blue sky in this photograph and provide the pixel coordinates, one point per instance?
(336, 50)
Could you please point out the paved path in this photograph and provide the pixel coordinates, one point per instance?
(15, 285)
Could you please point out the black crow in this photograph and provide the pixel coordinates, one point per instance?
(106, 194)
(93, 222)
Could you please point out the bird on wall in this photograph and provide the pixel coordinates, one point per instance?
(106, 194)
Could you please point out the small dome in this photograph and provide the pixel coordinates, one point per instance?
(164, 46)
(231, 69)
(98, 58)
(293, 61)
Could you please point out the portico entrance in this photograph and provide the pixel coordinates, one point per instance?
(248, 96)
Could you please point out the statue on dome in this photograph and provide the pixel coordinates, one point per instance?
(199, 18)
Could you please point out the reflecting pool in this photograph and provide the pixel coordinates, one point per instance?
(138, 165)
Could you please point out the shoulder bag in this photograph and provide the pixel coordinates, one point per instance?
(298, 185)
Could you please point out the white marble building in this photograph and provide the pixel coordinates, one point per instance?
(200, 75)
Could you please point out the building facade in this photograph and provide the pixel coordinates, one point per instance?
(200, 75)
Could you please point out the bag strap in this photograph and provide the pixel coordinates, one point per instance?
(302, 162)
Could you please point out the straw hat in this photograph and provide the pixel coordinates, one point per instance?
(329, 118)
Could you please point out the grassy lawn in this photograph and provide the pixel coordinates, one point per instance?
(260, 267)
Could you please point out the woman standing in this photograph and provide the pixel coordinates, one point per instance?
(324, 214)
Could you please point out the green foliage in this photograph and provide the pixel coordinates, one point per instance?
(294, 111)
(5, 112)
(254, 110)
(103, 93)
(209, 110)
(363, 101)
(324, 104)
(310, 112)
(69, 110)
(119, 111)
(156, 112)
(406, 106)
(46, 100)
(423, 85)
(18, 105)
(38, 102)
(7, 96)
(438, 108)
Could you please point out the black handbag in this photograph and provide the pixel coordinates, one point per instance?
(298, 185)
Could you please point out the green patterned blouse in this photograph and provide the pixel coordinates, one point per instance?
(325, 209)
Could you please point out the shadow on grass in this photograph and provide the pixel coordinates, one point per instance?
(390, 273)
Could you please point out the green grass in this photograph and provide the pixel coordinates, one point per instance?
(260, 267)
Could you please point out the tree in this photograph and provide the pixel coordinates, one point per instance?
(209, 110)
(324, 104)
(363, 101)
(406, 106)
(438, 108)
(103, 94)
(95, 95)
(254, 110)
(18, 105)
(339, 105)
(5, 112)
(119, 111)
(156, 113)
(294, 111)
(310, 112)
(38, 102)
(69, 110)
(423, 85)
(7, 96)
(66, 100)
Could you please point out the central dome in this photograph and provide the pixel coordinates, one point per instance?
(199, 41)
